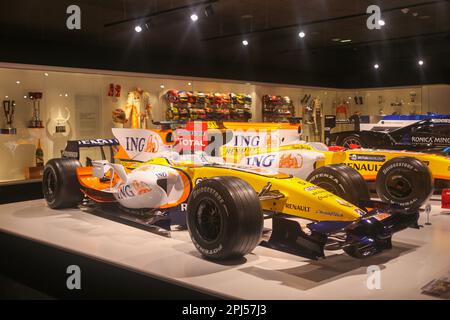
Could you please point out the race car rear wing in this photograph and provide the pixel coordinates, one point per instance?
(72, 149)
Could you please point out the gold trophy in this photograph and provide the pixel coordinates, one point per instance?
(9, 107)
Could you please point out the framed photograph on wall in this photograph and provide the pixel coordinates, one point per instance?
(87, 116)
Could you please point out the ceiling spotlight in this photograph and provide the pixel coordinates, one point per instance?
(66, 95)
(25, 97)
(46, 74)
(346, 40)
(189, 84)
(376, 66)
(421, 62)
(6, 97)
(302, 34)
(209, 11)
(162, 86)
(245, 42)
(138, 29)
(18, 82)
(194, 17)
(381, 23)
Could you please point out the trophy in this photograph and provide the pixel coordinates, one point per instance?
(36, 121)
(9, 108)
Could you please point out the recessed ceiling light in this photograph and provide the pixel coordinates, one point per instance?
(25, 97)
(346, 40)
(381, 23)
(6, 97)
(46, 74)
(189, 83)
(336, 39)
(302, 34)
(60, 94)
(162, 86)
(66, 95)
(194, 17)
(421, 62)
(138, 29)
(245, 42)
(18, 82)
(376, 66)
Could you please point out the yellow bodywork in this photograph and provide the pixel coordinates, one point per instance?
(368, 162)
(301, 199)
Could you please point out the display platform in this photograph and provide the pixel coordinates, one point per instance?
(418, 257)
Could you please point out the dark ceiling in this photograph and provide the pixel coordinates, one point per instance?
(35, 32)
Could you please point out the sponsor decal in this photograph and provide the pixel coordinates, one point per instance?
(324, 197)
(311, 188)
(298, 207)
(265, 161)
(242, 140)
(398, 164)
(93, 142)
(141, 144)
(364, 166)
(330, 213)
(381, 216)
(292, 161)
(125, 192)
(367, 157)
(344, 203)
(431, 140)
(440, 120)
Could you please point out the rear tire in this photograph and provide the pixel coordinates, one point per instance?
(60, 183)
(404, 181)
(224, 218)
(341, 180)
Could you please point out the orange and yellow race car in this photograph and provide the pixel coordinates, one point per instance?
(224, 205)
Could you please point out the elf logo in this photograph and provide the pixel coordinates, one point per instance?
(261, 160)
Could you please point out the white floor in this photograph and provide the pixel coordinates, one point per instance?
(418, 257)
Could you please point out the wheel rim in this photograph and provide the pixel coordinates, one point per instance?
(398, 186)
(349, 141)
(49, 185)
(208, 220)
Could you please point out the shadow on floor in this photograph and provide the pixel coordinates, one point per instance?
(332, 268)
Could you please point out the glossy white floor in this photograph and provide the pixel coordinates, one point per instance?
(418, 257)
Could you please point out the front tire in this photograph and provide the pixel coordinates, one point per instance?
(60, 183)
(404, 181)
(341, 180)
(224, 218)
